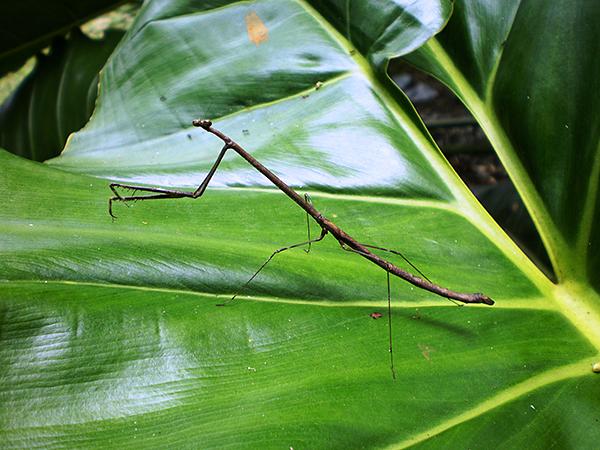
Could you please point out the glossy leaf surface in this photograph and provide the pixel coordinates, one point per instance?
(110, 330)
(126, 313)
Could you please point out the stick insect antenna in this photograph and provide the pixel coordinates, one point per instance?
(159, 193)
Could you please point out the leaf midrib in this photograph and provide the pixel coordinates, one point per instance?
(525, 304)
(573, 306)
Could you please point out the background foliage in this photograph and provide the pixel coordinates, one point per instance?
(110, 334)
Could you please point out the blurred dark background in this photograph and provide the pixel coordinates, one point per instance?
(472, 156)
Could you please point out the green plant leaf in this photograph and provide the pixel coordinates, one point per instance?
(536, 97)
(502, 201)
(27, 26)
(57, 97)
(110, 330)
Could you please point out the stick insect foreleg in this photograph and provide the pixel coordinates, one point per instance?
(119, 198)
(198, 192)
(163, 193)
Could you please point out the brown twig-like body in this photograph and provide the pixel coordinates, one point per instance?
(342, 237)
(346, 241)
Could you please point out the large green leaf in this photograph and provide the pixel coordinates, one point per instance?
(111, 333)
(110, 330)
(27, 26)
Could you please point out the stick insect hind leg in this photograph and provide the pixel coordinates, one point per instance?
(308, 242)
(389, 302)
(389, 305)
(159, 193)
(395, 252)
(279, 250)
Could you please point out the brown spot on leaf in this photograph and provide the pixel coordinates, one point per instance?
(257, 30)
(426, 351)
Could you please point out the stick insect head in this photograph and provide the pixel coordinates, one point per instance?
(203, 123)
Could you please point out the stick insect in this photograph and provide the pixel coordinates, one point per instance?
(346, 242)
